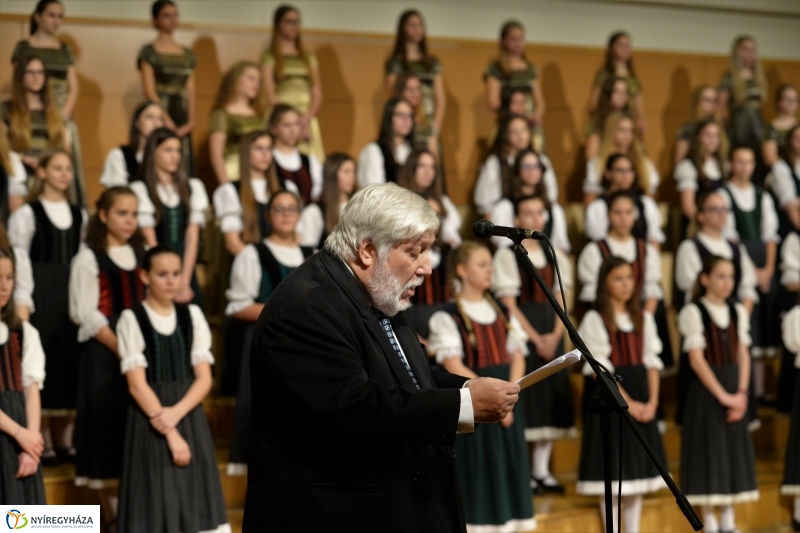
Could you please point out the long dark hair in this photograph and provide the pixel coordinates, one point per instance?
(709, 264)
(134, 135)
(97, 231)
(603, 303)
(147, 170)
(385, 134)
(695, 153)
(636, 188)
(504, 31)
(250, 230)
(9, 313)
(609, 63)
(786, 151)
(330, 188)
(274, 47)
(399, 51)
(500, 149)
(41, 5)
(516, 182)
(604, 103)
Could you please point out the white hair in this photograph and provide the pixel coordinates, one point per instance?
(383, 214)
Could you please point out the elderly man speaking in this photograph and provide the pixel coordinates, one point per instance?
(352, 430)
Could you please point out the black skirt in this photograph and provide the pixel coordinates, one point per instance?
(765, 328)
(660, 318)
(639, 475)
(233, 348)
(240, 439)
(155, 495)
(59, 337)
(100, 421)
(548, 408)
(791, 472)
(717, 459)
(13, 491)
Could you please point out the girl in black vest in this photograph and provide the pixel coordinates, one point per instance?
(785, 182)
(21, 377)
(122, 164)
(620, 175)
(170, 479)
(548, 406)
(717, 458)
(380, 161)
(339, 183)
(624, 338)
(241, 206)
(704, 168)
(254, 275)
(13, 177)
(49, 230)
(104, 281)
(304, 171)
(474, 337)
(171, 206)
(753, 222)
(791, 473)
(531, 176)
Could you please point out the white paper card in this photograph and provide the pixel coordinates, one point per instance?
(559, 363)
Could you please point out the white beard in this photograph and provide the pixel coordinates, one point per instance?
(386, 290)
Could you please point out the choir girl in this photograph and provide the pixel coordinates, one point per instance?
(339, 183)
(167, 71)
(171, 207)
(785, 182)
(122, 163)
(619, 62)
(495, 177)
(613, 99)
(256, 271)
(622, 337)
(717, 458)
(712, 216)
(742, 91)
(13, 175)
(291, 76)
(528, 180)
(238, 110)
(292, 165)
(472, 337)
(753, 222)
(242, 211)
(512, 70)
(620, 242)
(421, 175)
(410, 54)
(48, 231)
(408, 87)
(31, 115)
(104, 281)
(170, 479)
(705, 104)
(777, 131)
(62, 77)
(620, 175)
(380, 161)
(791, 472)
(705, 166)
(23, 373)
(620, 137)
(548, 405)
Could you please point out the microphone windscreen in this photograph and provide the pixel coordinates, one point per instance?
(482, 229)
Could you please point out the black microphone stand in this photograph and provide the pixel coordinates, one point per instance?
(609, 400)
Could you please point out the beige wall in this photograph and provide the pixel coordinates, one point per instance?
(351, 68)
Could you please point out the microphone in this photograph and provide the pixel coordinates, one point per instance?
(483, 229)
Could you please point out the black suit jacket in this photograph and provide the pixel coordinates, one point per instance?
(342, 439)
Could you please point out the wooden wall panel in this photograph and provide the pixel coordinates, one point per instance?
(351, 66)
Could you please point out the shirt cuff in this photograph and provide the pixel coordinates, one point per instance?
(466, 416)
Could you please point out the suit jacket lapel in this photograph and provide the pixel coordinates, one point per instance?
(352, 288)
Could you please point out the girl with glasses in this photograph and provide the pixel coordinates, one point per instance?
(381, 161)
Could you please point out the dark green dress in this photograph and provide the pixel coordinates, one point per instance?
(57, 62)
(234, 127)
(172, 72)
(519, 79)
(427, 73)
